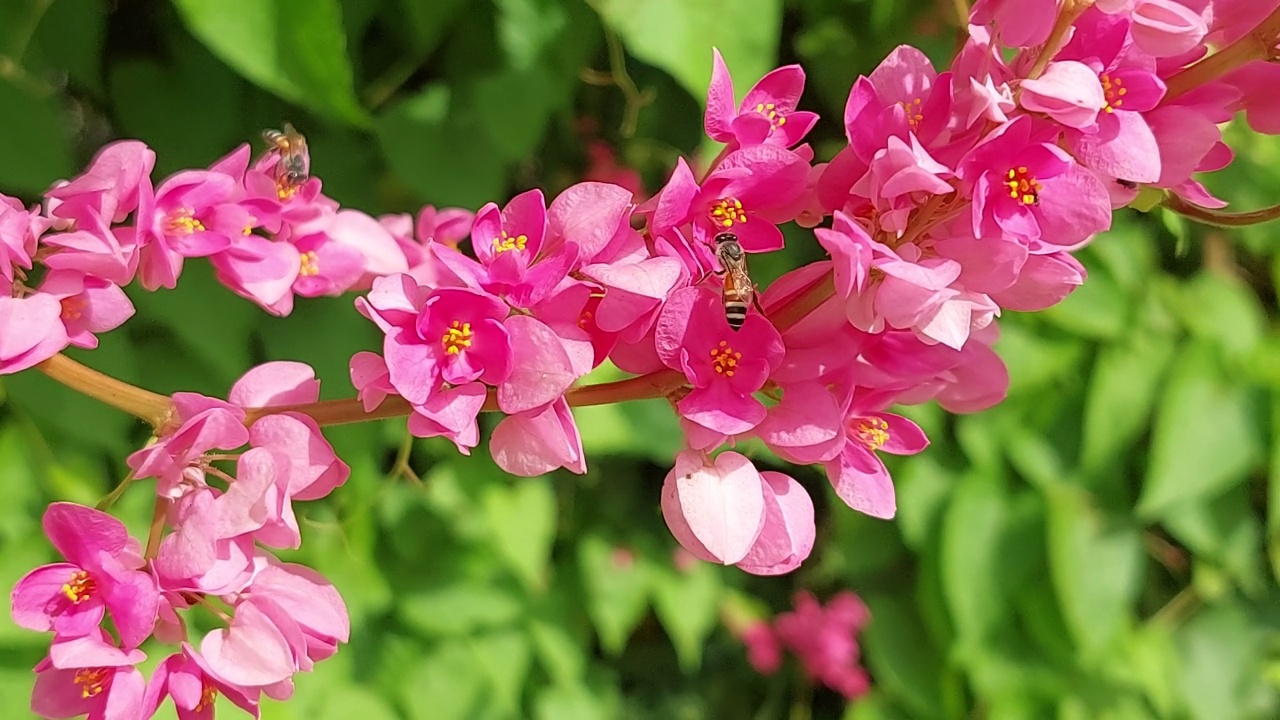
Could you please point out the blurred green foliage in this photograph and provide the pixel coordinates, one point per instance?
(1099, 546)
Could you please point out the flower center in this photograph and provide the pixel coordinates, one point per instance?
(92, 681)
(285, 190)
(183, 222)
(724, 360)
(506, 242)
(73, 307)
(456, 338)
(79, 587)
(771, 111)
(208, 695)
(1114, 91)
(913, 109)
(727, 211)
(872, 432)
(309, 264)
(1022, 186)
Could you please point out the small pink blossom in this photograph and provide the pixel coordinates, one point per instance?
(31, 331)
(768, 111)
(90, 305)
(715, 509)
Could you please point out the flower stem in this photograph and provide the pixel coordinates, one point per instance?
(1207, 216)
(142, 404)
(1255, 45)
(1071, 11)
(155, 409)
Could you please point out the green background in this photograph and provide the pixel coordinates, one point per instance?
(1101, 545)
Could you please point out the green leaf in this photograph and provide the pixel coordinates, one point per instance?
(1225, 532)
(971, 557)
(1126, 379)
(296, 49)
(1186, 461)
(1221, 651)
(349, 701)
(1096, 569)
(34, 143)
(903, 657)
(687, 603)
(1098, 309)
(617, 588)
(428, 21)
(575, 702)
(527, 28)
(440, 149)
(515, 134)
(522, 519)
(678, 35)
(1223, 311)
(459, 609)
(69, 38)
(504, 660)
(923, 486)
(445, 685)
(561, 650)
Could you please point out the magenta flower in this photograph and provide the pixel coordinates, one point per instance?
(768, 111)
(824, 640)
(455, 337)
(371, 379)
(514, 263)
(807, 426)
(89, 676)
(191, 214)
(594, 216)
(1018, 23)
(186, 678)
(749, 193)
(101, 574)
(857, 474)
(31, 331)
(205, 553)
(90, 305)
(95, 249)
(724, 367)
(1032, 190)
(452, 414)
(903, 96)
(1067, 91)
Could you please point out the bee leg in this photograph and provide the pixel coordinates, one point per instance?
(755, 300)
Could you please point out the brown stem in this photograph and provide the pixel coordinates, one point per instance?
(1255, 45)
(1221, 219)
(1071, 11)
(142, 404)
(157, 527)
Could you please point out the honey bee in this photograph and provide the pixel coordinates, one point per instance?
(739, 291)
(295, 162)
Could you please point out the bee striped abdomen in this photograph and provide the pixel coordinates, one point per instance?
(735, 312)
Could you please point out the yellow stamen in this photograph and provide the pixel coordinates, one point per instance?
(208, 694)
(92, 681)
(456, 338)
(1023, 187)
(79, 587)
(770, 110)
(914, 110)
(73, 307)
(183, 222)
(506, 242)
(872, 432)
(309, 264)
(724, 360)
(1113, 90)
(727, 211)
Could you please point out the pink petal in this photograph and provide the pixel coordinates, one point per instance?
(31, 331)
(787, 536)
(723, 504)
(862, 482)
(253, 652)
(276, 383)
(80, 532)
(544, 371)
(381, 253)
(1166, 28)
(1068, 92)
(528, 446)
(37, 598)
(720, 101)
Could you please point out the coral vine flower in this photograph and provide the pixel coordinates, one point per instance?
(768, 111)
(31, 331)
(857, 474)
(189, 215)
(186, 678)
(824, 639)
(19, 230)
(749, 194)
(101, 575)
(90, 305)
(89, 676)
(725, 367)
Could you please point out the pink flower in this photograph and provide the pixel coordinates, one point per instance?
(88, 675)
(787, 536)
(749, 193)
(186, 678)
(724, 367)
(31, 331)
(190, 215)
(108, 190)
(857, 474)
(1067, 91)
(19, 230)
(513, 262)
(768, 111)
(715, 509)
(203, 424)
(1031, 190)
(824, 640)
(102, 574)
(90, 305)
(1018, 23)
(536, 442)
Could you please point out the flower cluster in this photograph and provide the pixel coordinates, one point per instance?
(823, 639)
(958, 195)
(279, 618)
